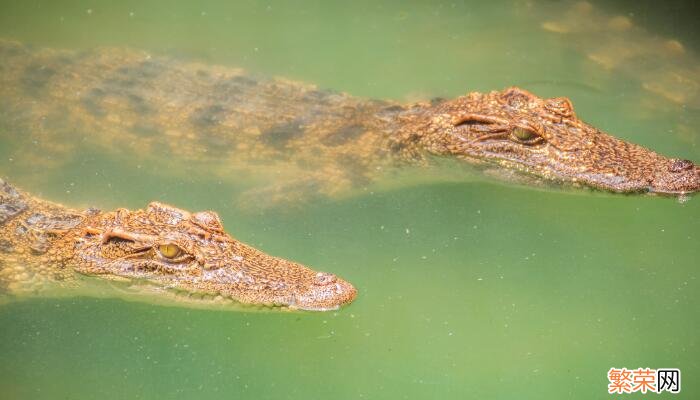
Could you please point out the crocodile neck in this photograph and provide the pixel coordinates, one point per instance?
(35, 249)
(214, 119)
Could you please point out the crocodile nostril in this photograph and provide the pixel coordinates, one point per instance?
(680, 166)
(323, 278)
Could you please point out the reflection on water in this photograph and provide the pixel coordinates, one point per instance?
(662, 65)
(465, 290)
(617, 48)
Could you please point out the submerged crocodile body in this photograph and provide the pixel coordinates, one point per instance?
(162, 248)
(219, 120)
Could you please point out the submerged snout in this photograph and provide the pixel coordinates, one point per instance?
(327, 292)
(676, 177)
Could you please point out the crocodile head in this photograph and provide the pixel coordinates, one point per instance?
(171, 249)
(543, 138)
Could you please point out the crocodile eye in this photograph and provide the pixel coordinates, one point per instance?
(525, 136)
(169, 250)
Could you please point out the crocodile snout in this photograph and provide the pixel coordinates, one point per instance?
(677, 166)
(679, 177)
(328, 292)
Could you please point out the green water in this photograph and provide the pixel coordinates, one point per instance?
(469, 290)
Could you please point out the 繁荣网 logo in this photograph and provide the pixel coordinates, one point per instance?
(623, 380)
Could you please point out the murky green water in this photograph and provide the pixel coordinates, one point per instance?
(469, 290)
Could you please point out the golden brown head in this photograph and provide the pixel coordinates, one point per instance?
(175, 250)
(540, 137)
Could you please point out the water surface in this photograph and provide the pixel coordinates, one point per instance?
(466, 290)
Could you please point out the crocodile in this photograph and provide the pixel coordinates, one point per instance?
(229, 124)
(168, 252)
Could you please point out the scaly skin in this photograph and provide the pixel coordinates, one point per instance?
(543, 137)
(226, 124)
(160, 247)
